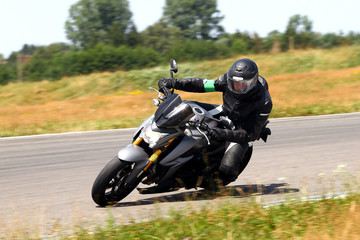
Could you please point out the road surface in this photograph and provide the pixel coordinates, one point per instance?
(48, 178)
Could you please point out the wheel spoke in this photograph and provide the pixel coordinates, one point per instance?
(117, 183)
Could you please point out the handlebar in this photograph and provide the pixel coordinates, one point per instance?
(201, 127)
(167, 93)
(204, 134)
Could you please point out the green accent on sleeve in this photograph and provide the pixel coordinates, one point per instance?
(209, 86)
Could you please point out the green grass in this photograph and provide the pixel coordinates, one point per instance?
(244, 220)
(309, 61)
(315, 109)
(119, 83)
(233, 214)
(72, 126)
(302, 83)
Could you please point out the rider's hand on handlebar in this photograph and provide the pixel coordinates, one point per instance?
(218, 134)
(166, 83)
(239, 135)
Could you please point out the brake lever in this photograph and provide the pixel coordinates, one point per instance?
(207, 139)
(159, 93)
(160, 96)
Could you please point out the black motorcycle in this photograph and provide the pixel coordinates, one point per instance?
(170, 150)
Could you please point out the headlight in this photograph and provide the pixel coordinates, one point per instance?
(151, 137)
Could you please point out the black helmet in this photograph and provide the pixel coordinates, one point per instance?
(242, 76)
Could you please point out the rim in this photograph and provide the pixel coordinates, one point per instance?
(116, 185)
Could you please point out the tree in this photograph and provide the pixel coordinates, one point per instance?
(354, 38)
(95, 21)
(161, 37)
(239, 46)
(28, 49)
(7, 73)
(330, 40)
(196, 18)
(247, 39)
(47, 52)
(272, 41)
(298, 32)
(133, 38)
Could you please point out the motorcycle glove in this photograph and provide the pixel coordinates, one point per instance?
(238, 136)
(166, 83)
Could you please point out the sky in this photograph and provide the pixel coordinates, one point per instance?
(41, 22)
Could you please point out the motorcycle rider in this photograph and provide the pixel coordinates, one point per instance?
(246, 101)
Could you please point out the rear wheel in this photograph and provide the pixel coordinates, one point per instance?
(109, 186)
(245, 160)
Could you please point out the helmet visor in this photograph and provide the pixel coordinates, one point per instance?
(240, 85)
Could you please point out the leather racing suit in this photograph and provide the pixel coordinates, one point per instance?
(248, 112)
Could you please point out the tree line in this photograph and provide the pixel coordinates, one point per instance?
(104, 38)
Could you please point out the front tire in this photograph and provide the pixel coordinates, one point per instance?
(109, 186)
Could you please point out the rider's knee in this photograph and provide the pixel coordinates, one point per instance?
(228, 172)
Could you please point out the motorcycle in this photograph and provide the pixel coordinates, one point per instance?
(169, 150)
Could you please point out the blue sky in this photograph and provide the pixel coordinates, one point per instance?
(41, 22)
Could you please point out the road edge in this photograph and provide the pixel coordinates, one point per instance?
(129, 129)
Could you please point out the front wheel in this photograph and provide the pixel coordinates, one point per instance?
(109, 186)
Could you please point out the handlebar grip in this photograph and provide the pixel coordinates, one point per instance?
(166, 92)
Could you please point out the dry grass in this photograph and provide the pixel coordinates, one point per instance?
(316, 87)
(225, 218)
(308, 82)
(345, 226)
(292, 94)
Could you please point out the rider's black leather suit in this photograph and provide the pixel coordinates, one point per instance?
(248, 111)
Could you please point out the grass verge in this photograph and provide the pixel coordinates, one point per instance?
(309, 82)
(299, 94)
(334, 218)
(232, 213)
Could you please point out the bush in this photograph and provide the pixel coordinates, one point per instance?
(59, 59)
(193, 50)
(100, 58)
(7, 73)
(239, 46)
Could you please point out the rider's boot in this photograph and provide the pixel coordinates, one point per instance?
(161, 187)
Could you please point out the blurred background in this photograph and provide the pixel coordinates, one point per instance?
(71, 37)
(63, 61)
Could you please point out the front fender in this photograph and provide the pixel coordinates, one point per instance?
(134, 154)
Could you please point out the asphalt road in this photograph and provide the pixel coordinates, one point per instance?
(49, 177)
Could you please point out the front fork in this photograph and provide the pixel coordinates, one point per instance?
(134, 153)
(155, 155)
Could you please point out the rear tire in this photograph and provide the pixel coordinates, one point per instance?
(245, 160)
(109, 186)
